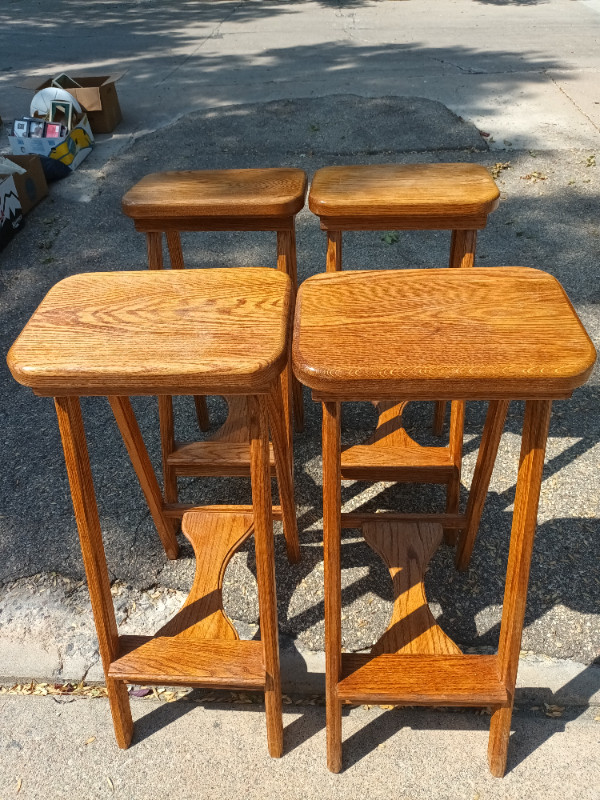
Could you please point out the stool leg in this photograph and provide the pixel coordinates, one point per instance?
(286, 262)
(175, 251)
(334, 251)
(332, 505)
(462, 254)
(167, 443)
(486, 458)
(202, 412)
(531, 465)
(265, 568)
(457, 423)
(462, 249)
(154, 245)
(72, 433)
(285, 474)
(176, 258)
(138, 455)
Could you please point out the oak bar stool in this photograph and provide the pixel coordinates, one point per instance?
(218, 200)
(193, 332)
(455, 197)
(511, 334)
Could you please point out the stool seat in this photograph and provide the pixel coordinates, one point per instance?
(409, 196)
(210, 331)
(273, 192)
(503, 332)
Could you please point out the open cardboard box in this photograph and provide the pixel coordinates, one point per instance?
(67, 153)
(31, 186)
(97, 96)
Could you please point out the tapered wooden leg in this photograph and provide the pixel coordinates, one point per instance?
(531, 465)
(286, 262)
(334, 251)
(176, 258)
(439, 415)
(202, 412)
(457, 424)
(154, 245)
(332, 505)
(265, 568)
(132, 436)
(462, 254)
(462, 249)
(175, 251)
(486, 458)
(70, 423)
(285, 475)
(167, 443)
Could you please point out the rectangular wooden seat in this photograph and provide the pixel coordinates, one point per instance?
(184, 332)
(429, 334)
(183, 200)
(403, 196)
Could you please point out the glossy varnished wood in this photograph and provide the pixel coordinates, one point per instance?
(406, 550)
(445, 680)
(401, 196)
(258, 427)
(270, 192)
(430, 334)
(390, 454)
(215, 538)
(486, 458)
(175, 332)
(72, 433)
(132, 437)
(531, 467)
(332, 504)
(210, 663)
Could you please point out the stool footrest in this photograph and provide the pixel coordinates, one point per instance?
(180, 662)
(415, 465)
(214, 458)
(452, 680)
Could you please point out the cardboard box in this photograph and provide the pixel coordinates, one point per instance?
(31, 187)
(70, 150)
(11, 214)
(97, 96)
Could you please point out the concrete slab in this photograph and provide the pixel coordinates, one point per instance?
(196, 750)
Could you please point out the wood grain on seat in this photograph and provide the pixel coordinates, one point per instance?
(442, 333)
(209, 331)
(278, 191)
(383, 191)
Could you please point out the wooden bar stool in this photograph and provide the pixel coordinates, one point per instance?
(455, 197)
(194, 332)
(218, 200)
(486, 334)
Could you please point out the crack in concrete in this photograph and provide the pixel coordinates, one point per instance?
(570, 99)
(212, 35)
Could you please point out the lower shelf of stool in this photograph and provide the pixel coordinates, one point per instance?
(164, 660)
(454, 680)
(220, 459)
(390, 453)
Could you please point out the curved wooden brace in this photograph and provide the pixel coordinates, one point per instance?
(215, 537)
(391, 454)
(406, 549)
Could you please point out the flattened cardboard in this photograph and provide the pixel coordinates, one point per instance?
(11, 214)
(70, 150)
(98, 96)
(31, 187)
